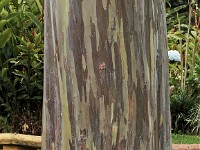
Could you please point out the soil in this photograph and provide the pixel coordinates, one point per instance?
(186, 147)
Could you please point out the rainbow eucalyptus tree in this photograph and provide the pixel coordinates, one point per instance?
(106, 75)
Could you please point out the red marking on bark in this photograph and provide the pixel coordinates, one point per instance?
(102, 66)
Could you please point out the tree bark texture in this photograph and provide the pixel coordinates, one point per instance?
(106, 75)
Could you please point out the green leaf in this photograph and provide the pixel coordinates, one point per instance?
(35, 20)
(176, 9)
(22, 61)
(194, 33)
(15, 3)
(22, 41)
(7, 52)
(8, 85)
(36, 65)
(4, 3)
(23, 48)
(177, 37)
(2, 23)
(4, 37)
(39, 6)
(7, 107)
(32, 5)
(16, 81)
(21, 89)
(19, 73)
(37, 97)
(1, 100)
(39, 86)
(4, 72)
(11, 16)
(23, 96)
(37, 39)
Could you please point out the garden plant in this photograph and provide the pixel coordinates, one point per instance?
(183, 36)
(21, 66)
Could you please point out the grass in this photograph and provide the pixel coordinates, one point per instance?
(185, 139)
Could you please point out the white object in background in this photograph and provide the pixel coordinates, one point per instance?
(174, 55)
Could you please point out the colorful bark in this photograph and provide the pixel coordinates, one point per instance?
(106, 75)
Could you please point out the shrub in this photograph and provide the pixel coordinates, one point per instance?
(182, 103)
(194, 119)
(183, 35)
(21, 66)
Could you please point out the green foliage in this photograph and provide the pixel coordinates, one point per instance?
(185, 104)
(194, 119)
(3, 3)
(185, 108)
(4, 127)
(174, 73)
(21, 65)
(182, 103)
(5, 37)
(172, 16)
(183, 35)
(185, 139)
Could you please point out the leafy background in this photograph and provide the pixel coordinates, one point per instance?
(183, 35)
(21, 65)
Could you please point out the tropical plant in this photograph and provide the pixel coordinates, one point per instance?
(183, 30)
(21, 64)
(194, 119)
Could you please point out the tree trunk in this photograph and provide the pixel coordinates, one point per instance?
(106, 75)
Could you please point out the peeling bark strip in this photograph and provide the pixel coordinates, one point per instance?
(106, 75)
